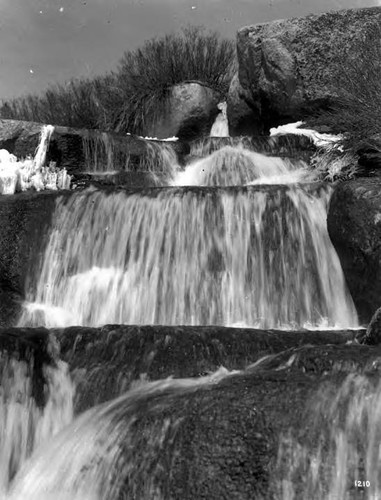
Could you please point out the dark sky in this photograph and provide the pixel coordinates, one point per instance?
(45, 41)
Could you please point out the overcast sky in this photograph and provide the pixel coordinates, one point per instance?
(45, 41)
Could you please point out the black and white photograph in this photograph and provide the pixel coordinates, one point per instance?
(190, 249)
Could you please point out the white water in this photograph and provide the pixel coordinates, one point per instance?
(96, 454)
(220, 127)
(232, 166)
(347, 420)
(191, 257)
(319, 139)
(103, 154)
(23, 425)
(32, 173)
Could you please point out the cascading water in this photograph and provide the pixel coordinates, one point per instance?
(232, 166)
(106, 155)
(347, 426)
(230, 250)
(220, 126)
(95, 457)
(191, 256)
(23, 425)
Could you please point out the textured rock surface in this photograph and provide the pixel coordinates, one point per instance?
(105, 361)
(370, 156)
(189, 112)
(288, 66)
(354, 225)
(24, 221)
(243, 118)
(31, 346)
(79, 150)
(212, 440)
(373, 332)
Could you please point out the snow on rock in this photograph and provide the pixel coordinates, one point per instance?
(295, 128)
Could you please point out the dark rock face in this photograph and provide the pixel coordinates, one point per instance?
(132, 180)
(188, 113)
(354, 225)
(211, 440)
(80, 150)
(31, 346)
(105, 361)
(243, 118)
(369, 155)
(373, 332)
(287, 67)
(24, 222)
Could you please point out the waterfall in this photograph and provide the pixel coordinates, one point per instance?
(104, 452)
(194, 256)
(220, 127)
(346, 429)
(107, 155)
(232, 166)
(288, 145)
(24, 426)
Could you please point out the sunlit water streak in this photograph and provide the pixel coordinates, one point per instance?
(196, 257)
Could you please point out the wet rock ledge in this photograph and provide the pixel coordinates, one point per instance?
(220, 439)
(106, 361)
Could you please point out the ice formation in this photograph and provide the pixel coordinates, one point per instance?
(31, 173)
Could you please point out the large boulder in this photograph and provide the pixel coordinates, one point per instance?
(354, 225)
(287, 67)
(188, 112)
(242, 116)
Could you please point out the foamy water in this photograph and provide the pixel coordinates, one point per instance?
(191, 257)
(235, 166)
(95, 457)
(24, 426)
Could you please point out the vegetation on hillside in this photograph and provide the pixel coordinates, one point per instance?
(126, 99)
